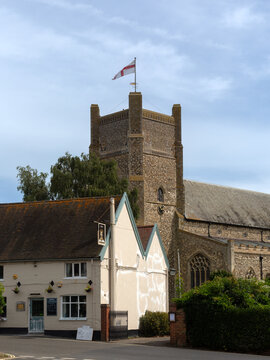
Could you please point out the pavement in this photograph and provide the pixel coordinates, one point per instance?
(151, 341)
(26, 347)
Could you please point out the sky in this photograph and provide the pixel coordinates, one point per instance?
(57, 57)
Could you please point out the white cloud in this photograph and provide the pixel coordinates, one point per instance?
(258, 72)
(213, 88)
(22, 40)
(242, 17)
(70, 6)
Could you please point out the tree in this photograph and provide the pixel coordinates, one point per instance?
(73, 177)
(32, 185)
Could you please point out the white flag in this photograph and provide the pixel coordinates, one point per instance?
(130, 68)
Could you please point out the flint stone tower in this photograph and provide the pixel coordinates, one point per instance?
(148, 149)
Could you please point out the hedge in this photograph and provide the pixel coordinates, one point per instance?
(154, 324)
(232, 329)
(228, 314)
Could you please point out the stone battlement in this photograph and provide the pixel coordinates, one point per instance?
(152, 115)
(117, 116)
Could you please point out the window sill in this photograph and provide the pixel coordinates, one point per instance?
(76, 319)
(3, 319)
(75, 277)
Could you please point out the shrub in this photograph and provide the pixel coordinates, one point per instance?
(220, 273)
(228, 314)
(154, 324)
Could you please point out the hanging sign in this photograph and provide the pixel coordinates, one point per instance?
(101, 234)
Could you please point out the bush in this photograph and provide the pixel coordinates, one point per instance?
(154, 324)
(228, 314)
(220, 273)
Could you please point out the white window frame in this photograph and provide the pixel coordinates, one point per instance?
(70, 302)
(73, 272)
(2, 279)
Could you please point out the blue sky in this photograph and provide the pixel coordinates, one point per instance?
(213, 57)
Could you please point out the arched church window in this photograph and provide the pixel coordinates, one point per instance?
(250, 274)
(199, 270)
(160, 195)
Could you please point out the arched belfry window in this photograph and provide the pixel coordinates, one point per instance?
(199, 270)
(250, 274)
(160, 195)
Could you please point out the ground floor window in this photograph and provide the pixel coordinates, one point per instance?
(74, 307)
(199, 270)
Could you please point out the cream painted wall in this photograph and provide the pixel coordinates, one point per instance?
(141, 284)
(35, 278)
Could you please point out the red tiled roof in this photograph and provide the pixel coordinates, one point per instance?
(145, 232)
(44, 230)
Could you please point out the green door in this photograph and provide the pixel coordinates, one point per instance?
(36, 323)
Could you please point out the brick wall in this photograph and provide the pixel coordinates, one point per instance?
(178, 327)
(105, 322)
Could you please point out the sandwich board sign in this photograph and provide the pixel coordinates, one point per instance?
(84, 333)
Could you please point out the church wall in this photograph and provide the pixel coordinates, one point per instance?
(159, 171)
(189, 245)
(163, 221)
(235, 232)
(196, 227)
(266, 235)
(158, 137)
(247, 256)
(243, 262)
(224, 231)
(113, 137)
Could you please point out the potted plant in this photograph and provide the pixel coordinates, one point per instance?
(88, 288)
(16, 290)
(49, 289)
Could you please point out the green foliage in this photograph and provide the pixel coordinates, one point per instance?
(73, 177)
(179, 285)
(84, 176)
(228, 314)
(133, 199)
(2, 302)
(220, 273)
(32, 185)
(154, 324)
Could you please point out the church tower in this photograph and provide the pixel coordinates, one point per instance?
(148, 149)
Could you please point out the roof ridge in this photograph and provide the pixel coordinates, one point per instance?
(227, 187)
(35, 202)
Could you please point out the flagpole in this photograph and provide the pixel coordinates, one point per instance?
(135, 73)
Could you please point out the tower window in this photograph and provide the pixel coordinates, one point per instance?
(160, 195)
(199, 270)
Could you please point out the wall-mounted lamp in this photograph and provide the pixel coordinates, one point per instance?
(19, 284)
(90, 282)
(172, 271)
(52, 283)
